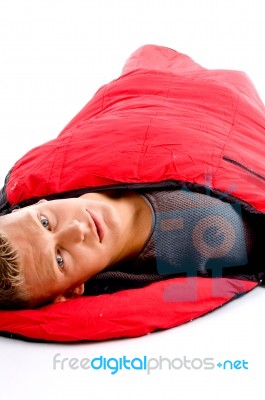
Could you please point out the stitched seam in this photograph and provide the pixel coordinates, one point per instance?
(243, 167)
(228, 136)
(147, 128)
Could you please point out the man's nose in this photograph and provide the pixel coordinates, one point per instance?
(74, 231)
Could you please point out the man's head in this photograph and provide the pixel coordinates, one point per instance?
(50, 249)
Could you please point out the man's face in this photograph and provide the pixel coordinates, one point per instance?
(62, 243)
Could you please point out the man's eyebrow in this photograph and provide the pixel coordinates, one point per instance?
(50, 270)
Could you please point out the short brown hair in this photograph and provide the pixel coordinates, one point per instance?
(13, 292)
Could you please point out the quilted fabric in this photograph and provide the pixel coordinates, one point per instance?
(165, 120)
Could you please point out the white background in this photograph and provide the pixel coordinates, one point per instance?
(54, 55)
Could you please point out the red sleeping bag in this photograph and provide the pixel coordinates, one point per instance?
(165, 119)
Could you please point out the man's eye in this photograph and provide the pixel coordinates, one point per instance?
(60, 261)
(44, 222)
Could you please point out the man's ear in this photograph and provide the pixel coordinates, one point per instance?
(72, 294)
(41, 201)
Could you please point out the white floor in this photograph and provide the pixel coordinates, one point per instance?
(54, 56)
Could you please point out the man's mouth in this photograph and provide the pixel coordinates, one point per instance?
(98, 225)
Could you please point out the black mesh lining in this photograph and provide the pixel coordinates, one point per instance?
(143, 271)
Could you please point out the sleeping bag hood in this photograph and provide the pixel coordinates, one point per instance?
(166, 122)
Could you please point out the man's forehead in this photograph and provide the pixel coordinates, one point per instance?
(35, 251)
(18, 215)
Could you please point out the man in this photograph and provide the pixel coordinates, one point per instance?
(60, 244)
(165, 123)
